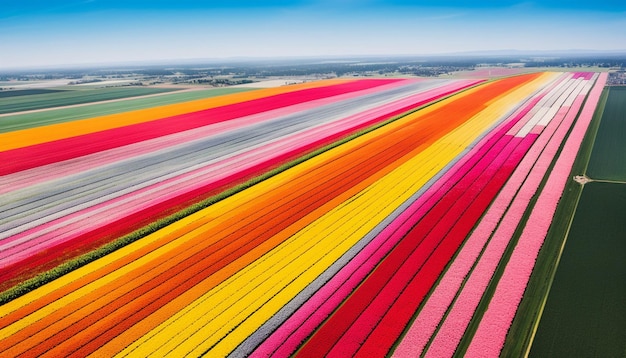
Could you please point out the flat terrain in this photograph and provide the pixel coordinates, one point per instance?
(27, 92)
(350, 216)
(585, 315)
(16, 103)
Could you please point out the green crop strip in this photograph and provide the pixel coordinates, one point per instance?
(590, 322)
(607, 161)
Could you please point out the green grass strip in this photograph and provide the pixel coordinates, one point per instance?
(73, 264)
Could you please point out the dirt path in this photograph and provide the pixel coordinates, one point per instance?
(608, 181)
(582, 179)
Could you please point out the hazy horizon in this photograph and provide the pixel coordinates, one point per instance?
(51, 33)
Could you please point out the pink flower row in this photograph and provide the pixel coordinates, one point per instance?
(431, 315)
(528, 177)
(491, 333)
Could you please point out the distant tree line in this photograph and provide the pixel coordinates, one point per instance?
(578, 62)
(362, 66)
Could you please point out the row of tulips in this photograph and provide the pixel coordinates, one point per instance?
(216, 276)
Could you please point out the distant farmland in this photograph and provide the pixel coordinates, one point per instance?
(15, 101)
(346, 217)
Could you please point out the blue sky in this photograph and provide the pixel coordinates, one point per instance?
(40, 33)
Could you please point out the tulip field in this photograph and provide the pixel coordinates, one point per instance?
(120, 172)
(344, 217)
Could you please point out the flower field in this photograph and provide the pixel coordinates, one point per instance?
(387, 215)
(85, 193)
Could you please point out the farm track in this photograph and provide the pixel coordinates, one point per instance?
(607, 181)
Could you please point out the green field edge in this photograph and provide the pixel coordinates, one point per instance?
(518, 331)
(71, 265)
(10, 122)
(521, 333)
(616, 96)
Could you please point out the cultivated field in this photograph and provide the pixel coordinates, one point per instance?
(608, 161)
(345, 217)
(15, 101)
(585, 313)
